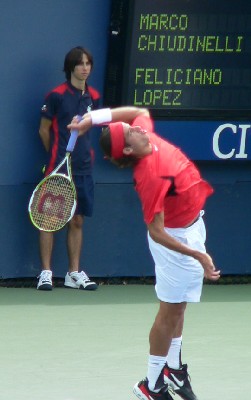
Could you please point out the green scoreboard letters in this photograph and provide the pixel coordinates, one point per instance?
(182, 58)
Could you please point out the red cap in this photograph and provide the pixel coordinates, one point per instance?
(117, 139)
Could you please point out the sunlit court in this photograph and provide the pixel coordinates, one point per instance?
(106, 346)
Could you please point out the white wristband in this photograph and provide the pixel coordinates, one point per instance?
(101, 116)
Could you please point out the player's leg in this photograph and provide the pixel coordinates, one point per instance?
(74, 241)
(178, 280)
(174, 359)
(160, 337)
(75, 278)
(175, 373)
(46, 245)
(165, 325)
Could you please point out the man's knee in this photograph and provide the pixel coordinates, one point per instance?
(76, 222)
(172, 312)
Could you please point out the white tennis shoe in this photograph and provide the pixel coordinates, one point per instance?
(79, 280)
(45, 280)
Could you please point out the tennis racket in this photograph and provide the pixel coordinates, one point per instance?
(53, 201)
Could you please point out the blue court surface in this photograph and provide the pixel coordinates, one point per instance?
(76, 345)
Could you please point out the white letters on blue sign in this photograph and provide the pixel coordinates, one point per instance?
(224, 130)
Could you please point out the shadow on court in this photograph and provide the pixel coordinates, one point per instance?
(106, 294)
(120, 294)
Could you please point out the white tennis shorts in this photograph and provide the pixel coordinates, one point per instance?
(179, 278)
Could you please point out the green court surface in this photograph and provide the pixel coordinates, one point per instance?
(77, 345)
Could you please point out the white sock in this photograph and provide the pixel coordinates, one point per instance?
(155, 366)
(174, 354)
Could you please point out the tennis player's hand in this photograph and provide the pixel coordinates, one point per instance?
(210, 271)
(82, 126)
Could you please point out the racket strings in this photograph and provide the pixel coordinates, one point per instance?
(53, 203)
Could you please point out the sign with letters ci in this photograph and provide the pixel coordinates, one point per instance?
(182, 59)
(209, 140)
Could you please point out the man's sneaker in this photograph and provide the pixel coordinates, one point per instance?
(142, 391)
(45, 280)
(179, 381)
(79, 280)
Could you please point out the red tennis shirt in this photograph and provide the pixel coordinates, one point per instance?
(166, 180)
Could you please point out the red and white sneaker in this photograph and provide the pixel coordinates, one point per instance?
(179, 381)
(142, 391)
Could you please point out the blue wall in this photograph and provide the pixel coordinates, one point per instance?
(32, 53)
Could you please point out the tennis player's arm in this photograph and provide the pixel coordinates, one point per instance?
(44, 132)
(128, 114)
(119, 114)
(159, 235)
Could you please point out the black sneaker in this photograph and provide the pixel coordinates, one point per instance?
(179, 381)
(142, 391)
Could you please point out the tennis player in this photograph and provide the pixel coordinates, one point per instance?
(173, 195)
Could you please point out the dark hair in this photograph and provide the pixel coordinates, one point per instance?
(106, 145)
(73, 58)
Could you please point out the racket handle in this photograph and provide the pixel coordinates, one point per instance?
(73, 138)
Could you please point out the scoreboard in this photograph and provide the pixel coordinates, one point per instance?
(181, 58)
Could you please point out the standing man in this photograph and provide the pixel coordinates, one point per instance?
(71, 98)
(172, 194)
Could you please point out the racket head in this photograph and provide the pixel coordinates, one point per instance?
(53, 203)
